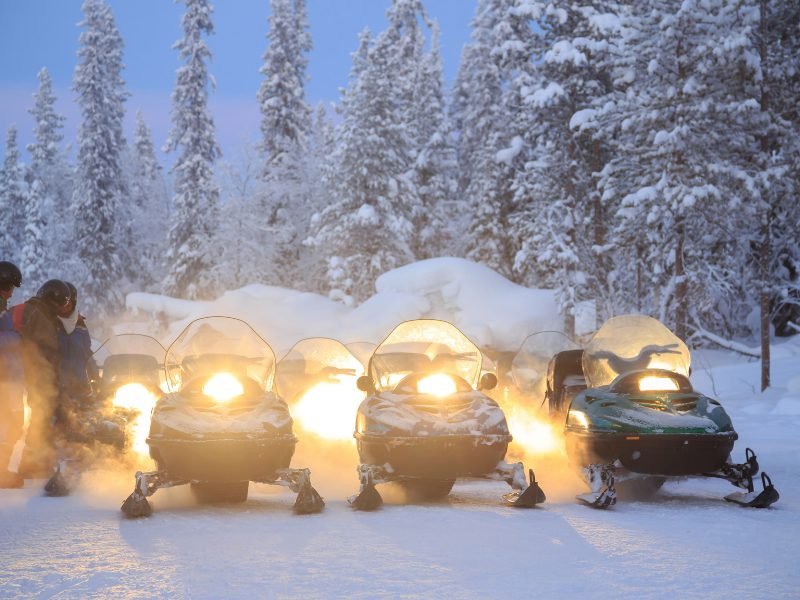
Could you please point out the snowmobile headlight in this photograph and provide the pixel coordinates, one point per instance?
(577, 418)
(135, 396)
(327, 409)
(657, 384)
(223, 387)
(131, 395)
(437, 384)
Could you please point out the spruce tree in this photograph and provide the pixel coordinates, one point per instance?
(13, 199)
(283, 202)
(195, 203)
(50, 238)
(148, 211)
(100, 184)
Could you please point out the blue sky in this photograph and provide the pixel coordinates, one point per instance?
(44, 33)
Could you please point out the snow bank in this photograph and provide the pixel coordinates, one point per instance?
(488, 308)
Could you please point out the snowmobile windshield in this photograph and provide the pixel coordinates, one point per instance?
(633, 343)
(529, 366)
(313, 361)
(129, 358)
(424, 346)
(317, 378)
(214, 345)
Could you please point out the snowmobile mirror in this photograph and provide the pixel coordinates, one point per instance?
(364, 383)
(488, 381)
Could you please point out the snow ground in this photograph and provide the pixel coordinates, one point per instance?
(686, 541)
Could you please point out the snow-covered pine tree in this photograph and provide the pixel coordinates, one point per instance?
(673, 129)
(13, 199)
(313, 265)
(241, 225)
(486, 148)
(772, 176)
(195, 203)
(367, 230)
(559, 218)
(50, 237)
(99, 185)
(148, 211)
(285, 123)
(437, 215)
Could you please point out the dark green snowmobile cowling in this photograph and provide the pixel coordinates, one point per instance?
(664, 432)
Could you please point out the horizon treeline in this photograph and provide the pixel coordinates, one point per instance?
(641, 155)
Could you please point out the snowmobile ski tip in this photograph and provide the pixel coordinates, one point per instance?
(529, 497)
(766, 497)
(368, 498)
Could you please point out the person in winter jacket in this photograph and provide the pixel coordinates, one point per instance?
(12, 404)
(38, 324)
(77, 366)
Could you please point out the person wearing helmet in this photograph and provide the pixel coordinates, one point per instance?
(12, 405)
(77, 365)
(38, 324)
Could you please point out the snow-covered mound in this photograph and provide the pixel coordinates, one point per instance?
(488, 308)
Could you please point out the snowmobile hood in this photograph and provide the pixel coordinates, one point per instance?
(174, 414)
(654, 412)
(464, 413)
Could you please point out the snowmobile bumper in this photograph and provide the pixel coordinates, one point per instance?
(223, 459)
(434, 457)
(653, 453)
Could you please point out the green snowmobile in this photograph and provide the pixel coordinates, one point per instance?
(632, 418)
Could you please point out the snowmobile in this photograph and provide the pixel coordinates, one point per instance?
(528, 367)
(632, 418)
(126, 380)
(427, 420)
(221, 425)
(317, 377)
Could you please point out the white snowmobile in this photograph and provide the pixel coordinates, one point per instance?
(221, 426)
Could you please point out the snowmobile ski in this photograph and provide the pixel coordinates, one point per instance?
(368, 498)
(61, 483)
(763, 499)
(529, 497)
(601, 480)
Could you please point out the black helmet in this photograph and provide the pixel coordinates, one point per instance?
(73, 293)
(9, 274)
(55, 292)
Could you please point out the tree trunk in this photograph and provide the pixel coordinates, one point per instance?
(680, 282)
(765, 249)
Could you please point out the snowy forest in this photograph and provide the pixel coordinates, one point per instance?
(641, 155)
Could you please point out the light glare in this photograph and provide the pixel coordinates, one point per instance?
(657, 384)
(136, 397)
(437, 384)
(223, 387)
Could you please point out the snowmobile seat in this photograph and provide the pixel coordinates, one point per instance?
(564, 380)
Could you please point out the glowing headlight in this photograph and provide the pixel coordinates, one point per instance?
(223, 387)
(658, 384)
(438, 384)
(132, 395)
(577, 418)
(328, 409)
(136, 397)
